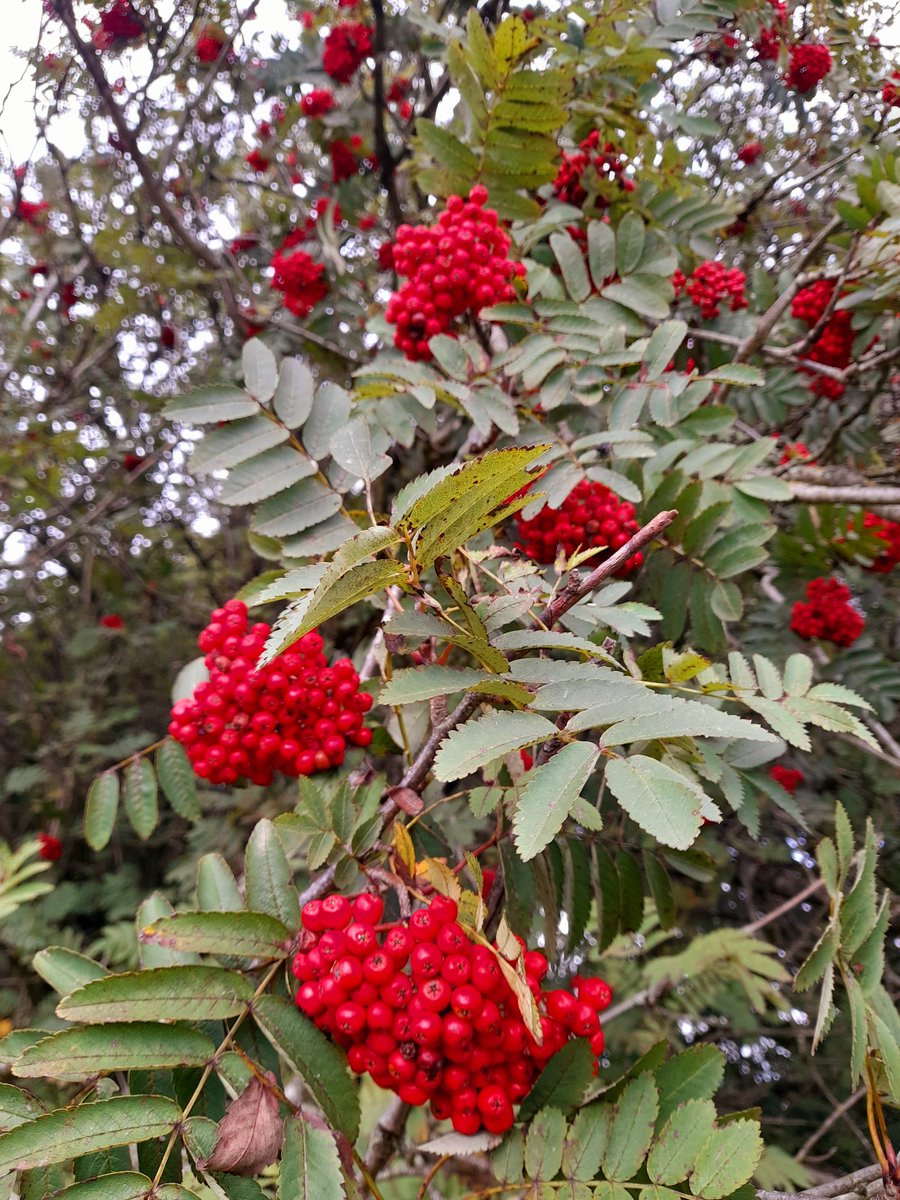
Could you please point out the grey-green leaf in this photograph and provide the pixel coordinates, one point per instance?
(139, 797)
(270, 880)
(548, 796)
(682, 1137)
(69, 1132)
(657, 797)
(100, 810)
(177, 779)
(632, 1129)
(727, 1160)
(320, 1063)
(85, 1051)
(310, 1164)
(181, 993)
(244, 934)
(479, 742)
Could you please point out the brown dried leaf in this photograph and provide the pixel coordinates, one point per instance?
(250, 1133)
(407, 800)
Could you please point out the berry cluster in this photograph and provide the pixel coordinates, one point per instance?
(461, 265)
(890, 93)
(344, 163)
(750, 152)
(348, 44)
(788, 777)
(209, 45)
(428, 1013)
(298, 276)
(119, 25)
(295, 715)
(888, 532)
(32, 212)
(317, 103)
(834, 345)
(809, 63)
(50, 848)
(711, 282)
(768, 44)
(827, 614)
(599, 169)
(590, 516)
(793, 451)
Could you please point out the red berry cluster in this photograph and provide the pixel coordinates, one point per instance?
(209, 44)
(344, 163)
(428, 1013)
(750, 152)
(888, 532)
(347, 45)
(298, 276)
(768, 44)
(828, 614)
(295, 715)
(711, 282)
(890, 93)
(834, 345)
(32, 212)
(458, 266)
(809, 63)
(590, 516)
(789, 778)
(793, 451)
(598, 168)
(317, 103)
(50, 848)
(119, 24)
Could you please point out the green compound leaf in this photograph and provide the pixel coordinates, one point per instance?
(658, 798)
(121, 1185)
(67, 1133)
(100, 810)
(632, 1129)
(549, 794)
(310, 1164)
(79, 1053)
(177, 779)
(727, 1160)
(162, 994)
(320, 1063)
(681, 1140)
(245, 934)
(139, 797)
(270, 880)
(477, 743)
(563, 1081)
(65, 970)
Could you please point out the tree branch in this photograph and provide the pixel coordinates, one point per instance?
(577, 588)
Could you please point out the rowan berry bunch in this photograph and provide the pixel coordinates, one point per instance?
(119, 25)
(750, 152)
(428, 1013)
(794, 451)
(711, 283)
(888, 532)
(298, 276)
(348, 44)
(809, 63)
(768, 44)
(458, 266)
(890, 93)
(590, 516)
(788, 777)
(827, 614)
(209, 45)
(295, 715)
(834, 346)
(592, 166)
